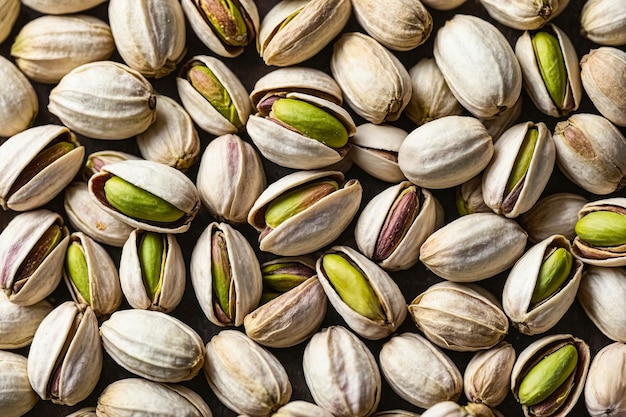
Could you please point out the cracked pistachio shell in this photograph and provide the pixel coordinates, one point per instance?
(96, 160)
(290, 318)
(386, 291)
(536, 351)
(103, 286)
(246, 282)
(508, 151)
(412, 22)
(358, 59)
(65, 357)
(19, 323)
(418, 371)
(473, 247)
(604, 79)
(230, 178)
(149, 34)
(500, 124)
(87, 217)
(141, 398)
(245, 377)
(9, 11)
(316, 226)
(372, 226)
(469, 197)
(534, 82)
(555, 214)
(605, 388)
(601, 255)
(300, 409)
(487, 377)
(31, 176)
(374, 148)
(445, 152)
(207, 117)
(604, 22)
(104, 100)
(524, 14)
(431, 97)
(294, 31)
(600, 294)
(459, 317)
(172, 139)
(591, 152)
(341, 373)
(16, 395)
(17, 240)
(207, 34)
(478, 65)
(171, 281)
(84, 412)
(153, 345)
(49, 47)
(160, 180)
(18, 101)
(61, 6)
(534, 318)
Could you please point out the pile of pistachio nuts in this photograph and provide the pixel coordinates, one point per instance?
(312, 208)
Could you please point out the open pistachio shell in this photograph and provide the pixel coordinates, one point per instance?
(555, 214)
(374, 148)
(19, 323)
(469, 197)
(605, 388)
(96, 160)
(18, 100)
(18, 397)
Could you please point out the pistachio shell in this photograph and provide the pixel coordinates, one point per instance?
(9, 10)
(524, 14)
(17, 398)
(300, 409)
(555, 214)
(469, 197)
(18, 101)
(487, 377)
(395, 413)
(96, 160)
(605, 390)
(498, 125)
(84, 412)
(61, 6)
(603, 22)
(443, 4)
(19, 323)
(374, 148)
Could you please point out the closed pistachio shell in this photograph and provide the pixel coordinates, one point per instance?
(300, 409)
(84, 412)
(555, 214)
(487, 377)
(604, 22)
(9, 10)
(524, 14)
(374, 149)
(395, 413)
(605, 389)
(452, 409)
(443, 4)
(603, 75)
(17, 398)
(61, 6)
(19, 323)
(18, 102)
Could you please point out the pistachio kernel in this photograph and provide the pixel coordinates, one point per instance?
(403, 212)
(522, 161)
(602, 228)
(152, 260)
(207, 84)
(78, 270)
(227, 20)
(48, 241)
(284, 276)
(222, 277)
(551, 65)
(552, 275)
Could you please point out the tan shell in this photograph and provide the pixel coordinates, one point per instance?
(527, 317)
(357, 60)
(246, 284)
(524, 14)
(418, 371)
(20, 150)
(555, 214)
(9, 11)
(165, 182)
(283, 41)
(49, 47)
(66, 353)
(605, 390)
(18, 102)
(19, 323)
(395, 413)
(314, 227)
(487, 377)
(61, 6)
(300, 408)
(604, 22)
(372, 220)
(500, 124)
(469, 197)
(84, 412)
(374, 149)
(603, 77)
(17, 398)
(172, 280)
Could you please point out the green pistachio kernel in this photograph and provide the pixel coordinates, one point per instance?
(602, 228)
(522, 161)
(77, 269)
(552, 274)
(207, 84)
(551, 65)
(226, 19)
(221, 274)
(152, 260)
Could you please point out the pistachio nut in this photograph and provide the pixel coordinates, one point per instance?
(469, 197)
(600, 294)
(283, 274)
(97, 160)
(48, 47)
(602, 73)
(431, 97)
(153, 345)
(294, 31)
(226, 27)
(460, 317)
(322, 216)
(16, 395)
(524, 14)
(601, 233)
(365, 296)
(443, 4)
(487, 377)
(603, 22)
(488, 86)
(418, 371)
(152, 271)
(341, 373)
(9, 11)
(549, 375)
(519, 171)
(395, 413)
(225, 275)
(591, 152)
(445, 152)
(146, 195)
(32, 251)
(172, 139)
(91, 275)
(127, 109)
(555, 214)
(374, 149)
(61, 6)
(377, 102)
(300, 408)
(84, 412)
(213, 95)
(604, 388)
(245, 377)
(473, 247)
(394, 224)
(452, 409)
(500, 124)
(138, 397)
(550, 68)
(18, 102)
(19, 323)
(37, 164)
(65, 357)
